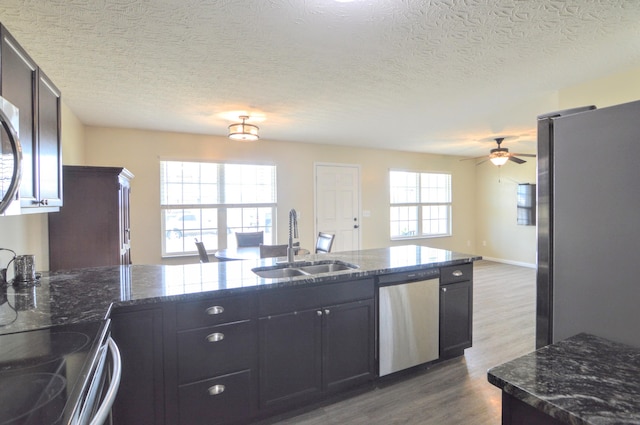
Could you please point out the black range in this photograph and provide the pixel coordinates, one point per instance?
(44, 373)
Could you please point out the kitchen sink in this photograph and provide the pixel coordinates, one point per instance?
(277, 272)
(326, 268)
(304, 268)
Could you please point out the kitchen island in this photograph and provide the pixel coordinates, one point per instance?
(213, 343)
(583, 380)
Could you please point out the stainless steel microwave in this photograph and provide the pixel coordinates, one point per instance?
(10, 158)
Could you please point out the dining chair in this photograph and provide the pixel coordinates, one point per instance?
(202, 252)
(269, 251)
(324, 243)
(245, 239)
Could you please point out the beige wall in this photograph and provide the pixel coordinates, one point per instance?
(611, 90)
(29, 234)
(484, 197)
(496, 188)
(140, 152)
(498, 235)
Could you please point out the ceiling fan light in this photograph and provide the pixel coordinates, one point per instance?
(243, 132)
(499, 160)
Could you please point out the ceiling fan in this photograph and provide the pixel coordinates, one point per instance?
(499, 156)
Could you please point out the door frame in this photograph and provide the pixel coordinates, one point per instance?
(315, 196)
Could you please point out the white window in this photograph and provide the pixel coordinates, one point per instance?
(211, 201)
(420, 204)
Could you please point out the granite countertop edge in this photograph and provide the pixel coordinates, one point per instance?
(582, 380)
(279, 283)
(80, 295)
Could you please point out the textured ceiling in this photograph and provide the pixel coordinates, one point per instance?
(430, 76)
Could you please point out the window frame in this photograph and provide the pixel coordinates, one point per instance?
(419, 204)
(222, 230)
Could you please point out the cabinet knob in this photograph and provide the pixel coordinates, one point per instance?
(457, 273)
(42, 202)
(216, 309)
(319, 313)
(444, 289)
(216, 389)
(215, 337)
(327, 311)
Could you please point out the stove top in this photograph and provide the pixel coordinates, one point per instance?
(42, 372)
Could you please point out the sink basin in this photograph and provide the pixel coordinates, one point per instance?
(305, 268)
(277, 272)
(326, 268)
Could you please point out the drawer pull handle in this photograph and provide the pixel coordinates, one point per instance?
(216, 309)
(457, 273)
(327, 311)
(319, 313)
(215, 337)
(216, 389)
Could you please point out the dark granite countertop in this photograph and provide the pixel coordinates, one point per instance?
(583, 380)
(75, 296)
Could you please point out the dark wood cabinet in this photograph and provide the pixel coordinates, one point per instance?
(216, 355)
(456, 310)
(290, 358)
(38, 100)
(323, 342)
(517, 412)
(48, 146)
(348, 344)
(93, 226)
(139, 335)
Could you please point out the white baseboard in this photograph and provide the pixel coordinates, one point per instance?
(513, 263)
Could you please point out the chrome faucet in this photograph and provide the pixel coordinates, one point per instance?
(293, 233)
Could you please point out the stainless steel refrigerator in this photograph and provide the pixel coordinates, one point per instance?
(588, 277)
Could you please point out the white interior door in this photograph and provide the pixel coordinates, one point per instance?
(337, 207)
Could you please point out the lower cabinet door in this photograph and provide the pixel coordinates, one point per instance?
(217, 401)
(348, 344)
(290, 358)
(140, 398)
(456, 310)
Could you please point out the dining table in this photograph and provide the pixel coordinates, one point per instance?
(247, 253)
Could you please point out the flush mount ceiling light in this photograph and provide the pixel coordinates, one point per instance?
(242, 131)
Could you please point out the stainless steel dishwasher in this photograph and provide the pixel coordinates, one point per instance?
(408, 320)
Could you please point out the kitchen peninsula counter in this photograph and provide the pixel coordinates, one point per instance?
(583, 380)
(83, 295)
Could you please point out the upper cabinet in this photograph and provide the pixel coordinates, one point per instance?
(24, 84)
(47, 173)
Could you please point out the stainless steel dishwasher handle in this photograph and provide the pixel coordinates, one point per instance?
(101, 415)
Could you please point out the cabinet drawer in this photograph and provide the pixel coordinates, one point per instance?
(220, 400)
(213, 311)
(458, 273)
(279, 301)
(216, 350)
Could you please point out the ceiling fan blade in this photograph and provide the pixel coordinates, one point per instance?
(517, 160)
(530, 155)
(483, 161)
(477, 157)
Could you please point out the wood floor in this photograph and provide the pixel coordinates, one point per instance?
(456, 391)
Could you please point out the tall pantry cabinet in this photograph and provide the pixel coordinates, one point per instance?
(93, 226)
